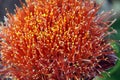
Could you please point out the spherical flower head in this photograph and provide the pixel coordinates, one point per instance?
(56, 40)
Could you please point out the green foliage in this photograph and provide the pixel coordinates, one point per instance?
(114, 73)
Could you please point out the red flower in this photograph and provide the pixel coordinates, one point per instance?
(56, 40)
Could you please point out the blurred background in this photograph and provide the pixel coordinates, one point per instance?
(8, 5)
(113, 73)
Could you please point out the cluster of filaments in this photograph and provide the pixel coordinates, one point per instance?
(55, 40)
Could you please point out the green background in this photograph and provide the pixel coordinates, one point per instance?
(114, 72)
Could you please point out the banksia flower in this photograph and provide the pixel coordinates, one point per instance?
(56, 40)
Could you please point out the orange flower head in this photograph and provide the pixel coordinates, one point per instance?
(56, 40)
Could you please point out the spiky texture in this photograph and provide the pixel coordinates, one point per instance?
(56, 40)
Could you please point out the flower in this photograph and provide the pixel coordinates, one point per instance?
(56, 40)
